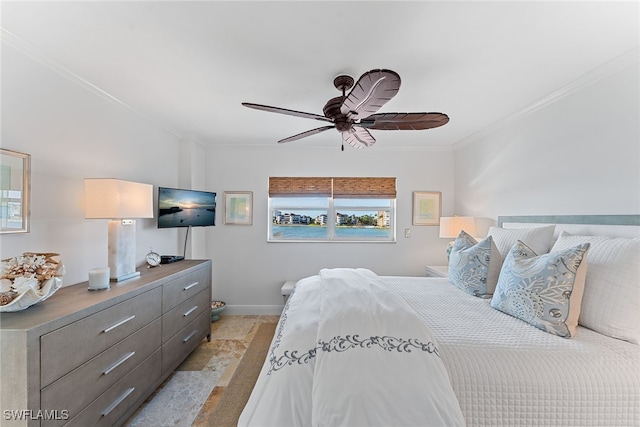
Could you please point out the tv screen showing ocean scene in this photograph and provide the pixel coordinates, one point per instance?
(185, 208)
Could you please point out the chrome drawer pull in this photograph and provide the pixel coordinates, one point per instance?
(186, 288)
(119, 362)
(194, 308)
(119, 400)
(120, 323)
(190, 336)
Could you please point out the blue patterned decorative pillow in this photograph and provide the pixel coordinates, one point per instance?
(544, 291)
(474, 266)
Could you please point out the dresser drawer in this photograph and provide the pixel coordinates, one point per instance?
(184, 313)
(107, 409)
(183, 288)
(67, 348)
(185, 341)
(81, 386)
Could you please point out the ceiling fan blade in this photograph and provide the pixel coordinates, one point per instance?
(287, 112)
(305, 134)
(358, 137)
(404, 121)
(372, 90)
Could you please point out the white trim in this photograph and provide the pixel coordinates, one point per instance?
(265, 310)
(619, 63)
(34, 53)
(627, 59)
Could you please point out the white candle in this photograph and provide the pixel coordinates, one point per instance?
(99, 278)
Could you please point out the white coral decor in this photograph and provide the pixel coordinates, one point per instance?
(33, 277)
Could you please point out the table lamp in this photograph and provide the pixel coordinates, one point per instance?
(450, 227)
(121, 202)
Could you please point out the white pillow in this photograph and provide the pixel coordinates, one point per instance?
(611, 300)
(538, 238)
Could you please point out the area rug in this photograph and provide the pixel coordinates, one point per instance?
(236, 394)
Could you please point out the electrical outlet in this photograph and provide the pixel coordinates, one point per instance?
(407, 233)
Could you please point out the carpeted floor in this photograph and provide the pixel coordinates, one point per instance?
(212, 385)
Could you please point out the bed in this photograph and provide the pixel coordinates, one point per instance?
(353, 348)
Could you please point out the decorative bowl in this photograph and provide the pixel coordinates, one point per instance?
(217, 307)
(29, 279)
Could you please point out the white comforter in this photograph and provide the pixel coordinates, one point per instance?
(367, 361)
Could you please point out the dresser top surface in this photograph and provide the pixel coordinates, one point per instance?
(71, 303)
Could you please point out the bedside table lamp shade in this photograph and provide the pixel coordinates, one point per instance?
(121, 202)
(450, 227)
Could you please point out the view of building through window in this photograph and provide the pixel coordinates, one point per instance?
(324, 218)
(332, 209)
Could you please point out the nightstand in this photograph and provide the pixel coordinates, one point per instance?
(287, 288)
(437, 270)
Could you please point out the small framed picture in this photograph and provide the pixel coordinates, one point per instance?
(238, 207)
(427, 206)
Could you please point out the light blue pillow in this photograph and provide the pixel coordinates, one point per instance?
(474, 266)
(544, 291)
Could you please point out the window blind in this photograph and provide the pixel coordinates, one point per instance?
(360, 188)
(299, 187)
(342, 187)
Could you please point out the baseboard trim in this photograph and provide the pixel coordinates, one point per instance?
(268, 310)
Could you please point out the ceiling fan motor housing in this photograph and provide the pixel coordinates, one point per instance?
(332, 111)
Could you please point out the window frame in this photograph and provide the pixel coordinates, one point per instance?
(332, 234)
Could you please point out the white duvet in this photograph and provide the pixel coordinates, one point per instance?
(348, 351)
(503, 371)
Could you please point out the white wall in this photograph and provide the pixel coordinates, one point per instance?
(248, 271)
(580, 155)
(72, 134)
(192, 170)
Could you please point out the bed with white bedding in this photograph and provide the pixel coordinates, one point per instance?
(356, 349)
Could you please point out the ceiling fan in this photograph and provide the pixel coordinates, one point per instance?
(353, 114)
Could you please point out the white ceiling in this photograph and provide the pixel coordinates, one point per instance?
(187, 66)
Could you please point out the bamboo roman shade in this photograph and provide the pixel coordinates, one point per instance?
(297, 187)
(352, 188)
(369, 188)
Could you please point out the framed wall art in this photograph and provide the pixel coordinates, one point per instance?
(427, 206)
(15, 184)
(238, 207)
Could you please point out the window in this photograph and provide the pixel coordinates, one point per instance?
(331, 209)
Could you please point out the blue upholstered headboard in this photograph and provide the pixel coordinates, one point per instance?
(613, 225)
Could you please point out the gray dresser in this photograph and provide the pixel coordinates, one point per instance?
(90, 358)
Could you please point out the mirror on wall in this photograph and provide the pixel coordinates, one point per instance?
(14, 191)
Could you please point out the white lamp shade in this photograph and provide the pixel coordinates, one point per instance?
(114, 198)
(450, 226)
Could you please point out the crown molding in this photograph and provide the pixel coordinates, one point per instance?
(619, 63)
(623, 61)
(37, 55)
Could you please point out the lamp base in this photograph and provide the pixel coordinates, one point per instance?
(125, 277)
(122, 250)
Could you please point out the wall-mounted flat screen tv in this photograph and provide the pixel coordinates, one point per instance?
(185, 208)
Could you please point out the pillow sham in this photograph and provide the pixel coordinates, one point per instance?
(539, 239)
(543, 290)
(611, 302)
(474, 266)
